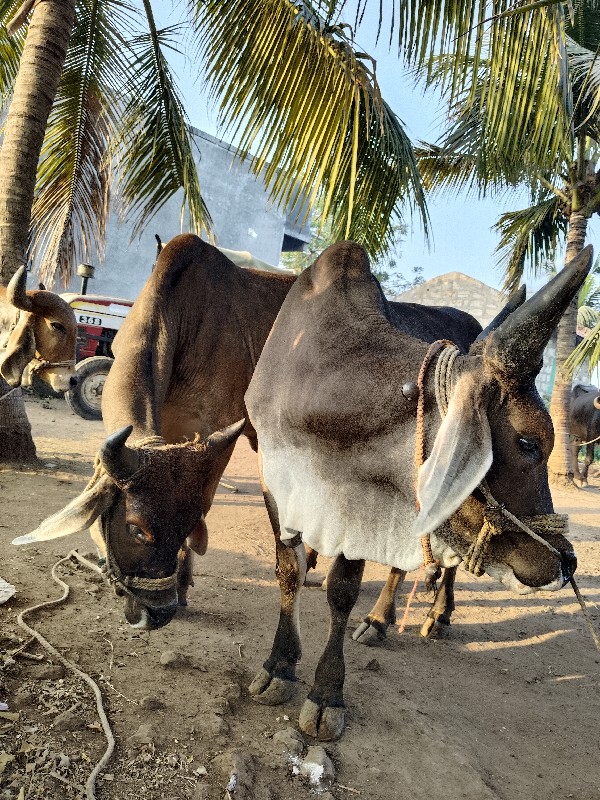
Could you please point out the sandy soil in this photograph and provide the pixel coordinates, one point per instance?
(506, 706)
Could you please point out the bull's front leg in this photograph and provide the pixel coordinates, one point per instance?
(373, 629)
(323, 713)
(274, 683)
(441, 611)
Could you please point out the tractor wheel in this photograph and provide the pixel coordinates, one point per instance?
(86, 397)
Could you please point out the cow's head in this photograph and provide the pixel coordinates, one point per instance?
(144, 502)
(42, 339)
(498, 429)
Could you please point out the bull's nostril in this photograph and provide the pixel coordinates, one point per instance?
(72, 382)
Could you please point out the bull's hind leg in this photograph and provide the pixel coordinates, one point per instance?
(441, 611)
(373, 628)
(575, 447)
(323, 713)
(589, 457)
(274, 683)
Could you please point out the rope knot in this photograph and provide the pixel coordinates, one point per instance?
(492, 526)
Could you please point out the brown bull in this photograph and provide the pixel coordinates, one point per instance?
(183, 361)
(38, 334)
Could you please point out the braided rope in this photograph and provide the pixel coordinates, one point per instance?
(432, 569)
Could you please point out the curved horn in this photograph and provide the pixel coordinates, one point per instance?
(517, 346)
(220, 440)
(597, 402)
(515, 299)
(119, 461)
(16, 292)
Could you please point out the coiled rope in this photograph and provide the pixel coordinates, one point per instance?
(91, 781)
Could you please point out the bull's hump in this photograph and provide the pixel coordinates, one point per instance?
(346, 260)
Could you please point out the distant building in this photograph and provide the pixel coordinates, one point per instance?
(482, 302)
(243, 216)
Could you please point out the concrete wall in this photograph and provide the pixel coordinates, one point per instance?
(243, 217)
(483, 302)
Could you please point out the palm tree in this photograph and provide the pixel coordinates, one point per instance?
(543, 134)
(108, 102)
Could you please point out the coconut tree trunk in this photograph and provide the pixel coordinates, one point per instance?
(35, 88)
(560, 469)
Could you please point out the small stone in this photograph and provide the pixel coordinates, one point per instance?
(200, 771)
(212, 725)
(143, 736)
(50, 464)
(318, 768)
(171, 659)
(289, 741)
(64, 762)
(373, 665)
(150, 703)
(67, 721)
(219, 706)
(237, 768)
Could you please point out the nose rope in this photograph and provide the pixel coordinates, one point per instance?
(41, 363)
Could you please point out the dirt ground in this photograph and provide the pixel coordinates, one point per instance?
(506, 706)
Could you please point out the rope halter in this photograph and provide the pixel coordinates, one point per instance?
(496, 518)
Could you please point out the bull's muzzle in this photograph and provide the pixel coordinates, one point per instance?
(145, 617)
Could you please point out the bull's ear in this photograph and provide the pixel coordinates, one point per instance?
(77, 516)
(19, 352)
(460, 458)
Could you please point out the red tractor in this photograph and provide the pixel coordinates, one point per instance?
(98, 320)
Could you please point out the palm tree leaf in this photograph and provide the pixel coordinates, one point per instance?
(587, 317)
(292, 88)
(71, 202)
(529, 235)
(588, 350)
(155, 148)
(10, 52)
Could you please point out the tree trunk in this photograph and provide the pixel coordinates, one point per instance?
(35, 88)
(560, 469)
(15, 430)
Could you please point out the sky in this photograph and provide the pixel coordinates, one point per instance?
(461, 237)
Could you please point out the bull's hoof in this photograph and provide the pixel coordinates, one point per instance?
(370, 633)
(270, 691)
(325, 724)
(435, 628)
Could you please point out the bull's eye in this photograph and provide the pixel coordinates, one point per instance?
(529, 446)
(138, 534)
(58, 326)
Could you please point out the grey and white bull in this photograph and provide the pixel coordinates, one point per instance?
(183, 361)
(337, 438)
(584, 427)
(38, 334)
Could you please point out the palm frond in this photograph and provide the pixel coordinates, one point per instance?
(587, 317)
(505, 144)
(155, 148)
(586, 353)
(293, 90)
(523, 53)
(71, 201)
(529, 235)
(10, 52)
